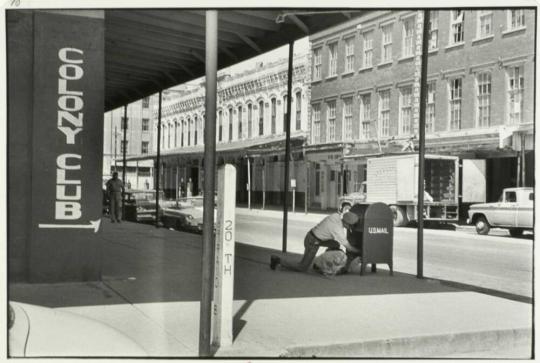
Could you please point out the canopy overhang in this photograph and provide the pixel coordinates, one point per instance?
(149, 50)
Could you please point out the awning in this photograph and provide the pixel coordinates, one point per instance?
(151, 50)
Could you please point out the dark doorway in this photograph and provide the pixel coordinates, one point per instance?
(195, 180)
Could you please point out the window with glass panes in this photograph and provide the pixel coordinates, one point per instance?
(175, 133)
(250, 120)
(145, 102)
(365, 115)
(331, 119)
(430, 107)
(405, 111)
(316, 121)
(347, 118)
(457, 31)
(455, 103)
(163, 127)
(384, 113)
(433, 29)
(144, 147)
(332, 59)
(285, 113)
(367, 60)
(195, 129)
(145, 124)
(189, 124)
(273, 115)
(516, 19)
(485, 26)
(220, 128)
(298, 110)
(408, 37)
(317, 64)
(230, 123)
(261, 118)
(515, 94)
(483, 99)
(169, 136)
(240, 122)
(349, 54)
(386, 55)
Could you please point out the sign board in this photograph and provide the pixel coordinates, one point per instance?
(222, 307)
(293, 183)
(67, 147)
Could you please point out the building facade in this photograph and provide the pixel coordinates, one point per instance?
(139, 141)
(250, 133)
(480, 95)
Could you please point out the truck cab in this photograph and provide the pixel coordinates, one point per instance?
(345, 202)
(513, 210)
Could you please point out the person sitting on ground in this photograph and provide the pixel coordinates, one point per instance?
(331, 232)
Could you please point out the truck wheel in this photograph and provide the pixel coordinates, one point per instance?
(516, 232)
(345, 208)
(482, 225)
(400, 217)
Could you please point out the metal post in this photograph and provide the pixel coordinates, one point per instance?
(158, 161)
(421, 146)
(287, 146)
(249, 181)
(124, 164)
(137, 174)
(115, 148)
(307, 191)
(523, 154)
(518, 169)
(263, 183)
(209, 184)
(177, 185)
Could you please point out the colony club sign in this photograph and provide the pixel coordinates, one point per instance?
(70, 121)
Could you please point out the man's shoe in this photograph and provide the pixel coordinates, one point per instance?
(274, 261)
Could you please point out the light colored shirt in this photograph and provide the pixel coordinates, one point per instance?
(331, 228)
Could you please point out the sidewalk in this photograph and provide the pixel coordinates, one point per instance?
(152, 284)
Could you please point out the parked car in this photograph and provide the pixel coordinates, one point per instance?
(513, 210)
(140, 205)
(186, 215)
(36, 331)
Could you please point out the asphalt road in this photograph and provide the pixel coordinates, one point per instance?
(496, 262)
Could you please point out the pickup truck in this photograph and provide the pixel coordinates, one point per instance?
(513, 210)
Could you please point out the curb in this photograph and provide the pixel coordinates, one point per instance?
(432, 346)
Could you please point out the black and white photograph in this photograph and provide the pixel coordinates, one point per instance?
(287, 180)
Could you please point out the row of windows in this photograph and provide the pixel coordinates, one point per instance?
(144, 146)
(515, 21)
(514, 114)
(145, 124)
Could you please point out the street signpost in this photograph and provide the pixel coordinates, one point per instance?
(222, 311)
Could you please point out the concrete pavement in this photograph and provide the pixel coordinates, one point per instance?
(152, 284)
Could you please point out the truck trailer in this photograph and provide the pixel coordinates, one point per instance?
(394, 180)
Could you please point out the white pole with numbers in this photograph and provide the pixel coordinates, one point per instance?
(222, 311)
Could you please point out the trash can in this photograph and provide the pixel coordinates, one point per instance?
(373, 235)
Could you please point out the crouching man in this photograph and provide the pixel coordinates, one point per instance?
(331, 232)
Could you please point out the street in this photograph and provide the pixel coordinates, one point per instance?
(492, 262)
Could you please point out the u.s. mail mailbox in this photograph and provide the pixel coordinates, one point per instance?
(373, 235)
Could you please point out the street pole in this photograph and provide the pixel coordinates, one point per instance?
(124, 164)
(158, 161)
(115, 147)
(249, 182)
(205, 324)
(421, 146)
(287, 146)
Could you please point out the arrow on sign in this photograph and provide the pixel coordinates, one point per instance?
(93, 224)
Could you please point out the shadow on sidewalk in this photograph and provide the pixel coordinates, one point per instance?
(143, 264)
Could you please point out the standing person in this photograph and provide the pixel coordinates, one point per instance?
(115, 188)
(330, 232)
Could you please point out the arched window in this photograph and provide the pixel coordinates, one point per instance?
(230, 123)
(182, 133)
(240, 122)
(273, 115)
(250, 119)
(195, 129)
(285, 113)
(175, 133)
(261, 118)
(220, 121)
(298, 110)
(189, 131)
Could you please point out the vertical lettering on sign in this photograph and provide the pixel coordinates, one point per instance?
(224, 257)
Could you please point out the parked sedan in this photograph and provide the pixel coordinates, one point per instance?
(183, 216)
(141, 205)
